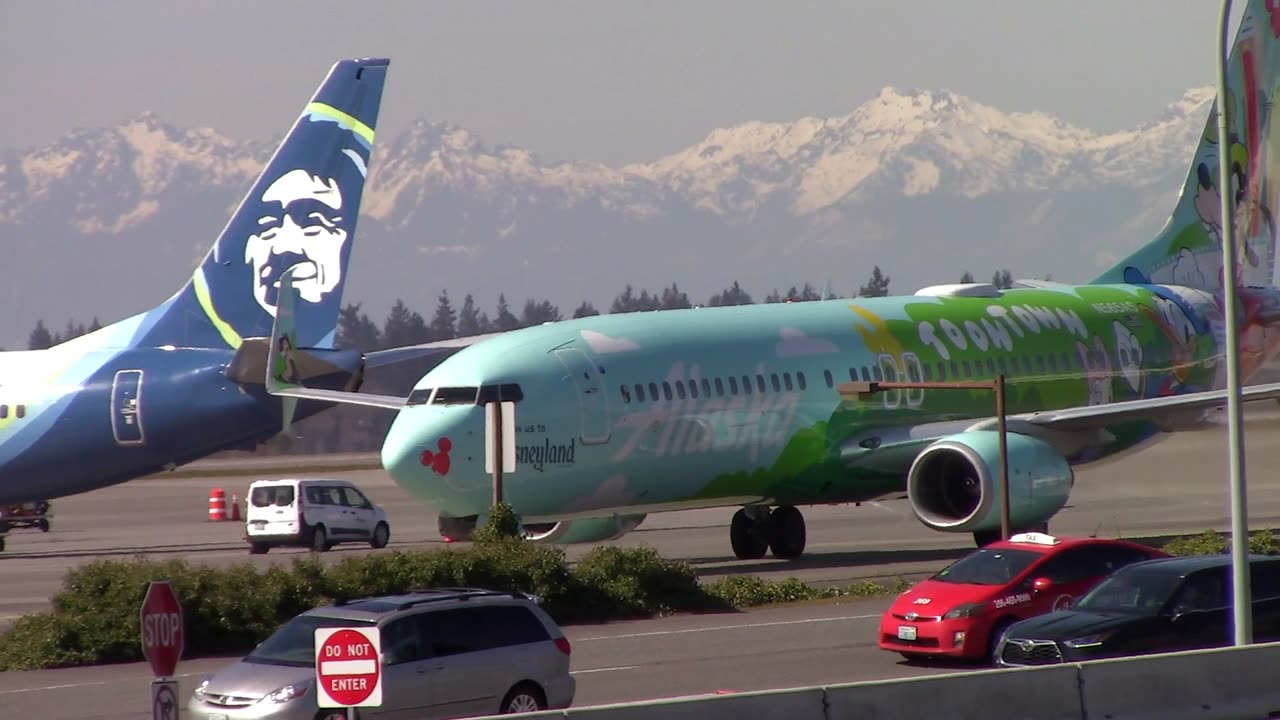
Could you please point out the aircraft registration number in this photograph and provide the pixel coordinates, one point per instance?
(906, 632)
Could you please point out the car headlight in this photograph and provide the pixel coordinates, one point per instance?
(286, 693)
(1087, 641)
(966, 610)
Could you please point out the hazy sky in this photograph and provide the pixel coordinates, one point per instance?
(602, 79)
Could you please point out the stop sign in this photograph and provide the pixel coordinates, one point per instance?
(349, 667)
(163, 631)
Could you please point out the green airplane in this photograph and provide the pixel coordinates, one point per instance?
(619, 416)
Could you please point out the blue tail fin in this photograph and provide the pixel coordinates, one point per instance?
(301, 211)
(1188, 251)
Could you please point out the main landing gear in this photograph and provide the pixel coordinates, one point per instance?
(756, 530)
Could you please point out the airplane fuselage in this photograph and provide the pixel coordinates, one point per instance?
(647, 412)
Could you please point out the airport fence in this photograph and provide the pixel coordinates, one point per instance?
(1219, 684)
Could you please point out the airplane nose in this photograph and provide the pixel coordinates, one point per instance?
(434, 453)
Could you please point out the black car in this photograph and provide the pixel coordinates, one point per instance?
(1155, 606)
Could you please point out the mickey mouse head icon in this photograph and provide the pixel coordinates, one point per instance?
(438, 460)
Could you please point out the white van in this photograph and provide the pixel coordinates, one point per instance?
(314, 512)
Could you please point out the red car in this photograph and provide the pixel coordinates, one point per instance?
(962, 611)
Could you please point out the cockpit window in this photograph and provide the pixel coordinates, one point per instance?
(509, 392)
(455, 396)
(419, 397)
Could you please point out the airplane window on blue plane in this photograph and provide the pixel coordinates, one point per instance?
(826, 375)
(719, 387)
(653, 391)
(706, 387)
(866, 376)
(666, 389)
(786, 381)
(21, 411)
(693, 389)
(733, 385)
(800, 379)
(680, 389)
(626, 394)
(760, 382)
(4, 411)
(639, 393)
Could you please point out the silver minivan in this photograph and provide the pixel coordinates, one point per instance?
(446, 653)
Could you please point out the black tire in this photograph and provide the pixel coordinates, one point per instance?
(319, 539)
(993, 642)
(43, 524)
(333, 715)
(381, 535)
(983, 538)
(786, 532)
(524, 697)
(1, 543)
(258, 549)
(914, 657)
(747, 540)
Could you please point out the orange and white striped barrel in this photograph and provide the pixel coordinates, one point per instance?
(217, 505)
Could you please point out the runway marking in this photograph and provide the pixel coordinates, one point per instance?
(742, 626)
(600, 670)
(79, 685)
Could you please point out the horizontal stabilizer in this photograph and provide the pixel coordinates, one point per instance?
(413, 352)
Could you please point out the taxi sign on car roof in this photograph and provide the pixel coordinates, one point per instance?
(1035, 538)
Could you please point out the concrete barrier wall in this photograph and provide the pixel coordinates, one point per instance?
(1220, 684)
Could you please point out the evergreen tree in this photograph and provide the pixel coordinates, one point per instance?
(732, 295)
(505, 320)
(586, 309)
(443, 325)
(469, 318)
(674, 299)
(536, 313)
(40, 338)
(404, 327)
(967, 277)
(624, 303)
(95, 325)
(804, 294)
(773, 297)
(877, 286)
(355, 330)
(1003, 279)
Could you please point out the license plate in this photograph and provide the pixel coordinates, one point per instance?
(259, 523)
(906, 632)
(217, 716)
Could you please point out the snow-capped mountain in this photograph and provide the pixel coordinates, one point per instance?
(128, 210)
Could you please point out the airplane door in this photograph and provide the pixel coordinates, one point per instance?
(126, 408)
(592, 403)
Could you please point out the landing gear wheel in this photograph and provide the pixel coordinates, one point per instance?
(745, 537)
(381, 534)
(319, 539)
(786, 532)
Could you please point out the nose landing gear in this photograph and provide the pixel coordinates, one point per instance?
(755, 530)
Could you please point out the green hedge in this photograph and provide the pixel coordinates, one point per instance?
(229, 610)
(1209, 542)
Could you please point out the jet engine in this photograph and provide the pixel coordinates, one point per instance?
(954, 483)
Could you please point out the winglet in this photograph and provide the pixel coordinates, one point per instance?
(282, 369)
(283, 354)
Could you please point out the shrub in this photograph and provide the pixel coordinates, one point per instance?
(95, 614)
(503, 524)
(1209, 542)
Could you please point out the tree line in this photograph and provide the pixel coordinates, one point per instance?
(349, 428)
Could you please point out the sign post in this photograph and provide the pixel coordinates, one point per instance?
(163, 639)
(499, 443)
(349, 668)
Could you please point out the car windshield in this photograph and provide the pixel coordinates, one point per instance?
(988, 567)
(1135, 590)
(294, 644)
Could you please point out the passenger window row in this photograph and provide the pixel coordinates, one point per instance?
(1038, 365)
(19, 411)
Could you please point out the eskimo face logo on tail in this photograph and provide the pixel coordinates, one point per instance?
(302, 223)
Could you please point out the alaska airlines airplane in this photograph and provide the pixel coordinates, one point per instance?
(184, 380)
(618, 416)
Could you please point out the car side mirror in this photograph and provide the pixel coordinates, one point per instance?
(1041, 584)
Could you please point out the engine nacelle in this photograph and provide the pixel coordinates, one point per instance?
(567, 532)
(954, 483)
(585, 530)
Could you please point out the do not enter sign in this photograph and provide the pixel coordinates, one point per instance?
(349, 667)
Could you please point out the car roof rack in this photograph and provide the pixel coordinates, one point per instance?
(436, 594)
